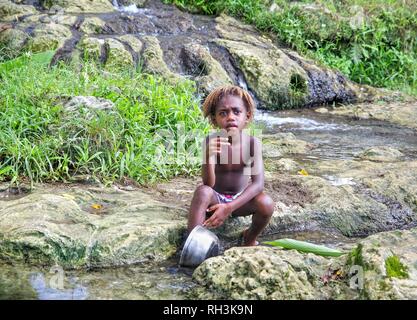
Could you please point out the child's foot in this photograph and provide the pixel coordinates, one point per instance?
(247, 242)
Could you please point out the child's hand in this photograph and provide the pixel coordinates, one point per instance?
(215, 145)
(220, 214)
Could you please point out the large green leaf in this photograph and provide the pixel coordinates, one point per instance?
(305, 247)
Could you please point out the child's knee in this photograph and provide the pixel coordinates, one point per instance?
(264, 204)
(204, 191)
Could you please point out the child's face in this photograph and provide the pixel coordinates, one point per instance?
(231, 114)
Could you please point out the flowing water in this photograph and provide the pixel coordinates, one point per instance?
(333, 138)
(336, 137)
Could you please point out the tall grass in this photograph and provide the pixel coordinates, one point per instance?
(371, 42)
(41, 140)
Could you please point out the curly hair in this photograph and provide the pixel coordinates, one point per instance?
(210, 103)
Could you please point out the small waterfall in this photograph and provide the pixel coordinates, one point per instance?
(129, 9)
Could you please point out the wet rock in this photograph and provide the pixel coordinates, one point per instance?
(267, 70)
(276, 145)
(401, 113)
(381, 154)
(324, 84)
(153, 59)
(88, 228)
(207, 71)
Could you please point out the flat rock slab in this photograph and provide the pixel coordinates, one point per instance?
(88, 227)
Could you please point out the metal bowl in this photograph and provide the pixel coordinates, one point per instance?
(200, 245)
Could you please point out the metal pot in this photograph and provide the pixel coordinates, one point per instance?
(200, 245)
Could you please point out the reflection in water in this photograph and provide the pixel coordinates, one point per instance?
(51, 291)
(156, 281)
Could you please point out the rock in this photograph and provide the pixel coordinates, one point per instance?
(381, 154)
(138, 3)
(278, 81)
(324, 84)
(281, 78)
(92, 25)
(10, 11)
(91, 48)
(153, 59)
(117, 55)
(207, 71)
(276, 145)
(134, 43)
(274, 8)
(48, 37)
(380, 267)
(88, 228)
(62, 19)
(264, 273)
(388, 265)
(375, 197)
(13, 39)
(282, 165)
(401, 113)
(79, 102)
(321, 110)
(85, 6)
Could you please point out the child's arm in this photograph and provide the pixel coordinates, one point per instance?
(212, 147)
(257, 176)
(223, 210)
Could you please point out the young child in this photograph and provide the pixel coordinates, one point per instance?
(232, 170)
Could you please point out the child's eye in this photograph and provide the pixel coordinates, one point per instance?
(222, 113)
(237, 112)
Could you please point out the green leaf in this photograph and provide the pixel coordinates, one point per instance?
(305, 247)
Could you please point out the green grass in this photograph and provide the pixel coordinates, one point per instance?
(395, 269)
(41, 141)
(371, 42)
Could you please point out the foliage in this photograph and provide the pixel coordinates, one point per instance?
(395, 268)
(371, 42)
(152, 133)
(304, 246)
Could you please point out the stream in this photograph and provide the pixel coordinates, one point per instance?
(333, 137)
